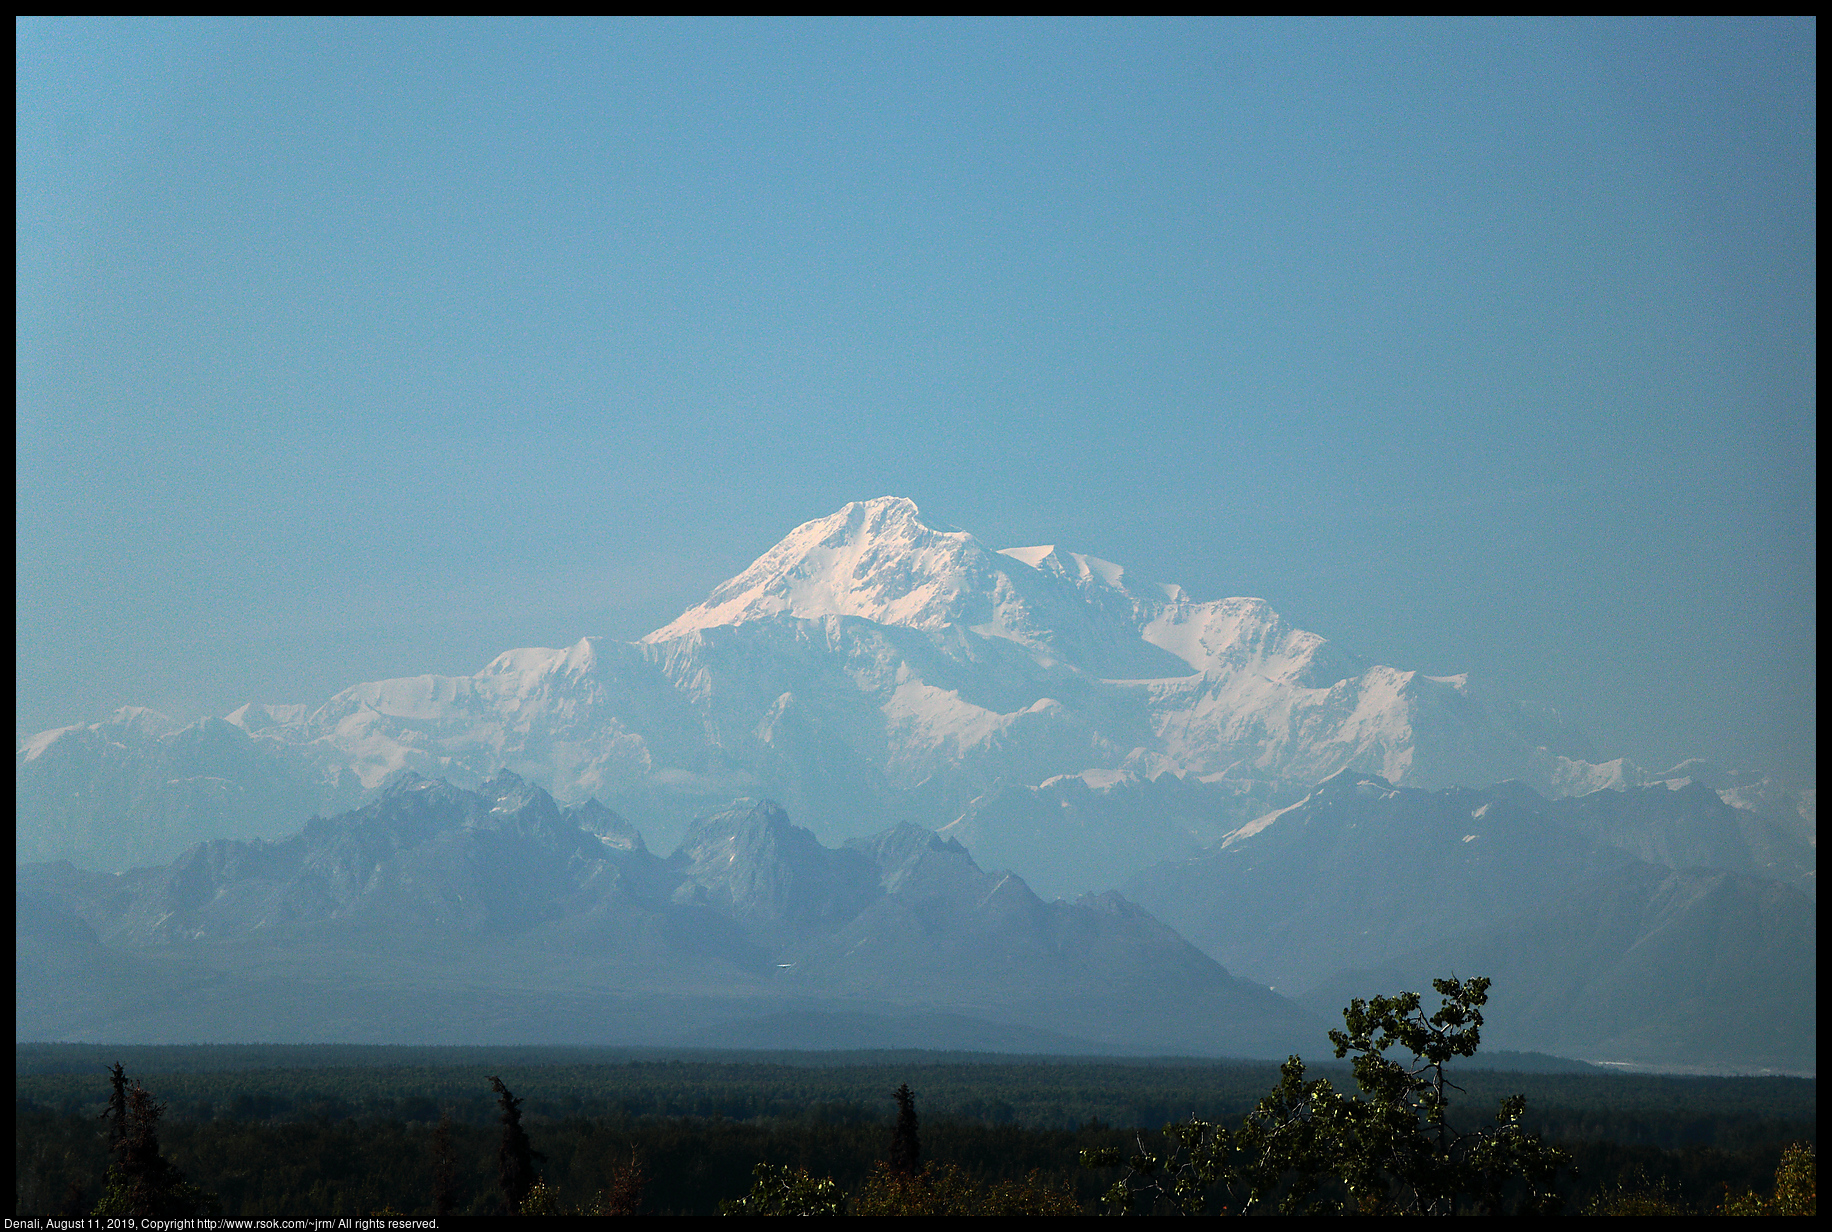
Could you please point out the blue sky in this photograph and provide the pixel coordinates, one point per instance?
(353, 349)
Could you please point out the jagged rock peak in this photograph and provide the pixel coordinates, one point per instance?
(903, 841)
(745, 819)
(752, 861)
(608, 825)
(907, 847)
(402, 782)
(511, 792)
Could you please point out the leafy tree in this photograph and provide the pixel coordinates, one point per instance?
(541, 1200)
(1635, 1194)
(1034, 1195)
(1796, 1187)
(944, 1189)
(1393, 1150)
(515, 1158)
(776, 1190)
(624, 1195)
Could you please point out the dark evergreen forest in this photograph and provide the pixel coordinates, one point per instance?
(344, 1131)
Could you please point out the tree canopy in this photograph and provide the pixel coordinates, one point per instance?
(1309, 1148)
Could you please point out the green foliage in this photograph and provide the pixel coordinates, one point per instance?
(1635, 1194)
(901, 1185)
(779, 1190)
(1797, 1182)
(1796, 1187)
(177, 1200)
(623, 1196)
(938, 1189)
(541, 1200)
(1307, 1147)
(944, 1189)
(1196, 1159)
(1035, 1194)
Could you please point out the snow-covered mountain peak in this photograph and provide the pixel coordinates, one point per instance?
(256, 718)
(870, 666)
(134, 721)
(141, 719)
(1079, 570)
(876, 560)
(1245, 636)
(872, 559)
(517, 672)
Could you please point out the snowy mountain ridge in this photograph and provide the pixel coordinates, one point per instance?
(869, 668)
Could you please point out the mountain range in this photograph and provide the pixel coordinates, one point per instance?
(446, 915)
(1061, 715)
(928, 709)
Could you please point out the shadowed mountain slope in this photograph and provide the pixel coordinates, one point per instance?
(437, 914)
(1595, 950)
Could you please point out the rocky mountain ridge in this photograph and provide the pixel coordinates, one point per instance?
(447, 903)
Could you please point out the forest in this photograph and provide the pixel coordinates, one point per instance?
(345, 1132)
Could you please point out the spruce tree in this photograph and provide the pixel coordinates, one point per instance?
(906, 1150)
(142, 1183)
(515, 1158)
(116, 1112)
(445, 1172)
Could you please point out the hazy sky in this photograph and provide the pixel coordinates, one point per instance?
(354, 349)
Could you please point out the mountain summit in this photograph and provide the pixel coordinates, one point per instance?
(876, 560)
(1044, 704)
(873, 559)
